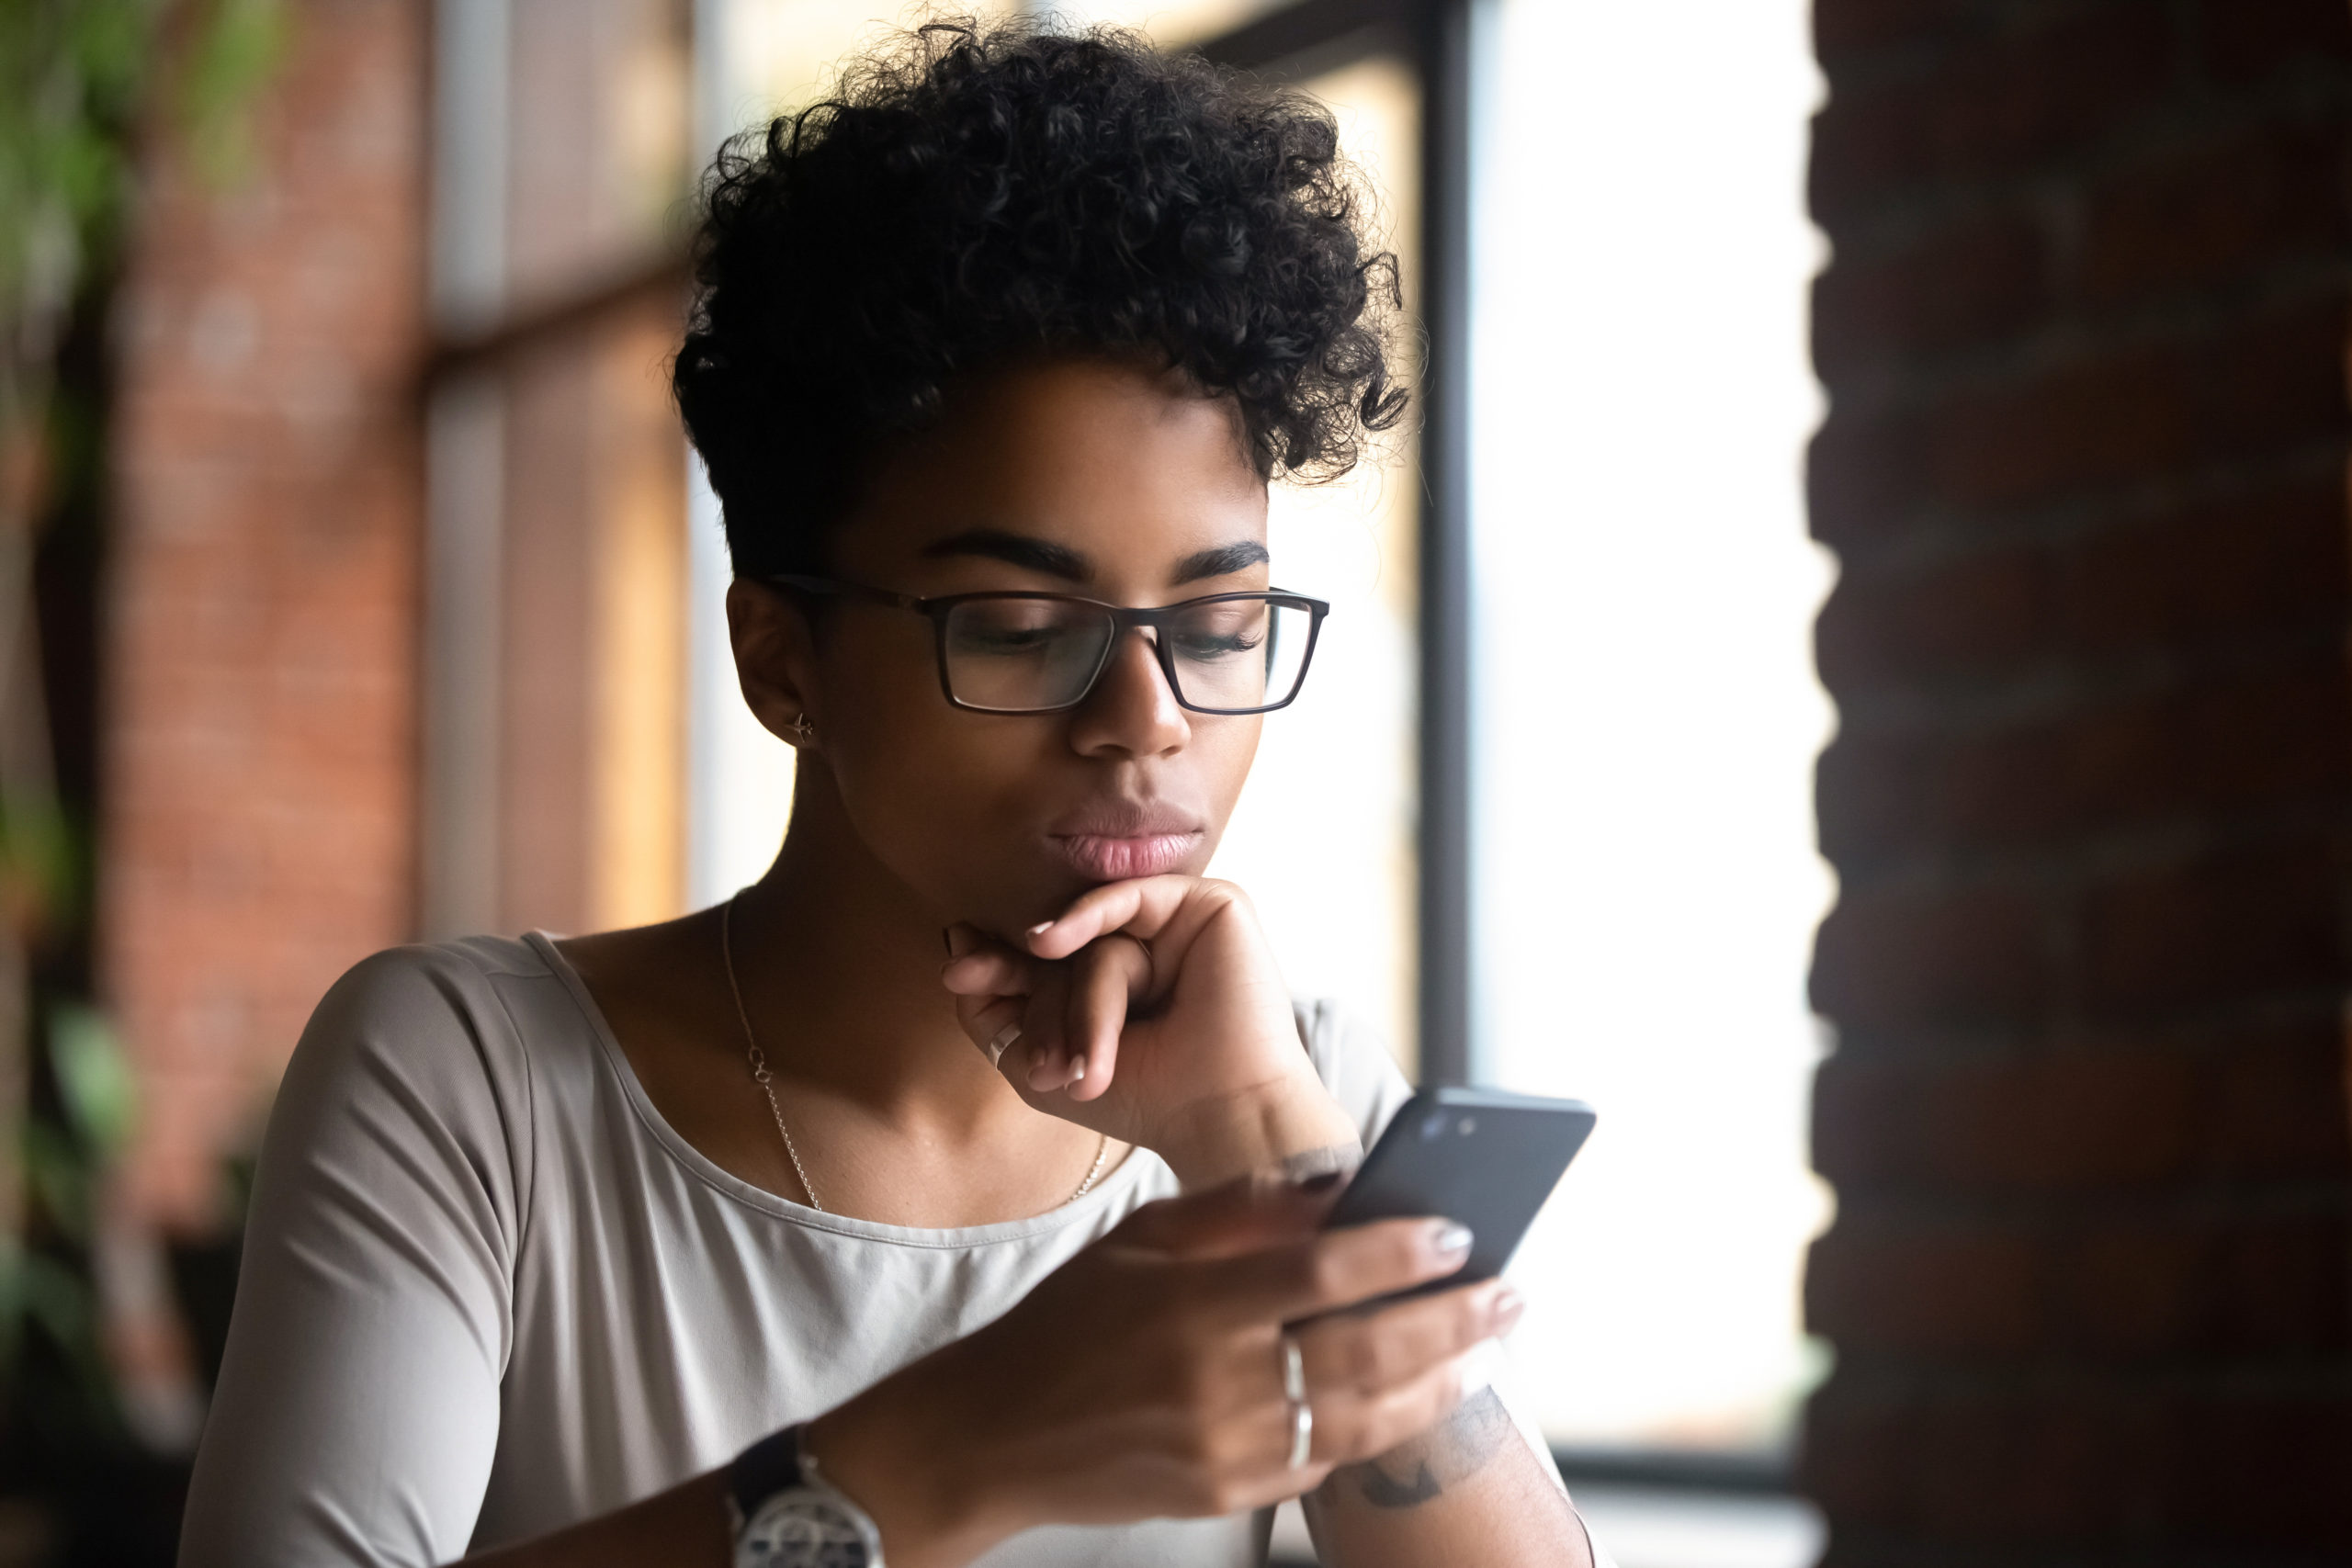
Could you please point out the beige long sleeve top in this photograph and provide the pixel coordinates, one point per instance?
(488, 1291)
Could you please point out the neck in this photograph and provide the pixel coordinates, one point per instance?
(838, 963)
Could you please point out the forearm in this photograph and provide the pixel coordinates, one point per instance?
(884, 1449)
(1469, 1490)
(685, 1526)
(1297, 1132)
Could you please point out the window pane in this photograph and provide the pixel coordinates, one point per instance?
(761, 57)
(556, 546)
(1170, 24)
(1647, 884)
(597, 138)
(1324, 836)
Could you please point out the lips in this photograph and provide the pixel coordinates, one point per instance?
(1104, 859)
(1114, 841)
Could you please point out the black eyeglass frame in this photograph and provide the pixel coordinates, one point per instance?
(1124, 619)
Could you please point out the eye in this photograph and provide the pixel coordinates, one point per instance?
(1212, 645)
(1010, 629)
(1220, 631)
(1009, 639)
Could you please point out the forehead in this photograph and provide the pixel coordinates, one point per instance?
(1134, 469)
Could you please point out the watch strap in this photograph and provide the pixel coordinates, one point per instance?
(766, 1468)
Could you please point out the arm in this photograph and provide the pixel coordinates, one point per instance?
(357, 1412)
(1043, 1417)
(1184, 1040)
(1468, 1489)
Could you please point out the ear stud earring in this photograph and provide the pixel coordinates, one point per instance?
(802, 730)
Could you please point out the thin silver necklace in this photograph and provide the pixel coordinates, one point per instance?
(766, 1079)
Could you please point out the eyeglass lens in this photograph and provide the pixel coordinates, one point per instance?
(1016, 655)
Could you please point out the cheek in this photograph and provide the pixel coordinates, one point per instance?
(946, 800)
(1220, 755)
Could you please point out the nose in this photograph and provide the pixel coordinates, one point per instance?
(1130, 712)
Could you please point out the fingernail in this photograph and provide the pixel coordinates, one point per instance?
(1504, 1311)
(1078, 1070)
(1449, 1242)
(1323, 1183)
(1041, 928)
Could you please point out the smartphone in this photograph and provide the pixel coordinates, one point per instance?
(1478, 1156)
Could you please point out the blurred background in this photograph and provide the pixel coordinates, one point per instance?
(1967, 1030)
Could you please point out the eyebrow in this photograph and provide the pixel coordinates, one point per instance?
(1016, 549)
(1222, 561)
(1072, 566)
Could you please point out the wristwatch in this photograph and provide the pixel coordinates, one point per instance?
(787, 1515)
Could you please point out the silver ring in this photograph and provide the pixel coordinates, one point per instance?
(1302, 1415)
(1002, 1042)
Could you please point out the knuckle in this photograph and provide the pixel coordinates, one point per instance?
(1197, 1449)
(1196, 1382)
(1325, 1273)
(1363, 1362)
(1471, 1319)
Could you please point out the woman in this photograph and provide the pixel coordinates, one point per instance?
(777, 1235)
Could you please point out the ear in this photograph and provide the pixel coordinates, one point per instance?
(775, 657)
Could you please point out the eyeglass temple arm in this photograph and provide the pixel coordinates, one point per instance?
(842, 586)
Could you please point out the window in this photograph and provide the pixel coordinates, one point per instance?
(1647, 715)
(555, 558)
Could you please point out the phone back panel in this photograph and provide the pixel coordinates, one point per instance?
(1486, 1159)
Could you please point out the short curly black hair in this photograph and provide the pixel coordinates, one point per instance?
(971, 196)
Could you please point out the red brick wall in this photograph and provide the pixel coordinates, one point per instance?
(258, 722)
(2091, 1283)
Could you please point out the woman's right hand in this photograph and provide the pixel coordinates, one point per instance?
(1143, 1377)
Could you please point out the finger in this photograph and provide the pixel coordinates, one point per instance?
(1152, 907)
(992, 971)
(994, 1023)
(1363, 1356)
(1110, 974)
(1343, 1268)
(1244, 1215)
(979, 963)
(1044, 1031)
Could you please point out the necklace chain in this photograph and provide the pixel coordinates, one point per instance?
(761, 1076)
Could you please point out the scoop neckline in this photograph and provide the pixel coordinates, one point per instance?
(728, 1184)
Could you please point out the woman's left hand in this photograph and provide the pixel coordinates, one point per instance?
(1152, 1011)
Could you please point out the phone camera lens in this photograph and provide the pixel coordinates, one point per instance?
(1469, 1124)
(1432, 1125)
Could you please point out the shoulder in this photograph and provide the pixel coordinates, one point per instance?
(428, 1009)
(416, 1045)
(1354, 1061)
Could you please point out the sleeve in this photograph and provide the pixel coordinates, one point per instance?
(357, 1410)
(1355, 1065)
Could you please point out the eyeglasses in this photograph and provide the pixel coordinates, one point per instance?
(1021, 653)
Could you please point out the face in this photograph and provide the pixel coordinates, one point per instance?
(1078, 478)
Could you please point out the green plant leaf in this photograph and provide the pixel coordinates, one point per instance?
(94, 1079)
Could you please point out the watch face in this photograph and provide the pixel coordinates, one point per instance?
(802, 1529)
